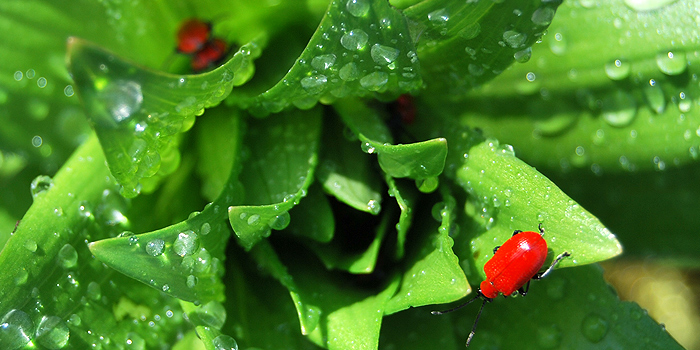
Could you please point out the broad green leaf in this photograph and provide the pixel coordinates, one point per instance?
(464, 44)
(208, 319)
(629, 107)
(218, 131)
(418, 161)
(346, 173)
(348, 314)
(183, 260)
(359, 48)
(570, 309)
(277, 174)
(136, 111)
(506, 195)
(434, 275)
(54, 221)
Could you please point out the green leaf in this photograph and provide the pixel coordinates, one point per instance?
(418, 161)
(136, 111)
(346, 173)
(464, 44)
(506, 194)
(560, 312)
(182, 260)
(313, 217)
(426, 331)
(406, 199)
(359, 48)
(52, 222)
(277, 174)
(626, 108)
(434, 275)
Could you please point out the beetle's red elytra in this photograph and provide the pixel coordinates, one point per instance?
(510, 270)
(194, 38)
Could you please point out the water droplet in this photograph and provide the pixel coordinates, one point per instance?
(94, 291)
(40, 184)
(21, 277)
(618, 69)
(354, 40)
(155, 247)
(470, 31)
(30, 74)
(594, 327)
(439, 17)
(41, 82)
(253, 219)
(205, 229)
(374, 81)
(523, 56)
(68, 91)
(18, 75)
(165, 287)
(30, 245)
(367, 147)
(558, 45)
(15, 330)
(655, 97)
(314, 84)
(67, 256)
(349, 72)
(427, 185)
(224, 342)
(357, 8)
(280, 222)
(475, 69)
(186, 243)
(543, 16)
(671, 63)
(374, 206)
(619, 108)
(323, 62)
(211, 314)
(52, 333)
(75, 320)
(191, 281)
(514, 39)
(121, 99)
(135, 342)
(383, 55)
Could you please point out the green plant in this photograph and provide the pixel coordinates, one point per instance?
(331, 244)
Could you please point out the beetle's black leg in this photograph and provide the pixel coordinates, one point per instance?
(541, 229)
(540, 275)
(516, 232)
(496, 249)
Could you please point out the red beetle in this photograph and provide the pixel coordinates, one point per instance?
(510, 270)
(192, 36)
(212, 53)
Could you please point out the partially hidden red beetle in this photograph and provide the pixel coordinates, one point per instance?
(510, 270)
(192, 35)
(194, 38)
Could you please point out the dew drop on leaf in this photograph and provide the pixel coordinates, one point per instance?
(323, 62)
(671, 63)
(121, 99)
(30, 245)
(594, 327)
(618, 69)
(383, 55)
(186, 243)
(155, 247)
(354, 40)
(357, 8)
(349, 72)
(374, 81)
(67, 256)
(224, 342)
(40, 184)
(543, 16)
(52, 332)
(15, 330)
(280, 222)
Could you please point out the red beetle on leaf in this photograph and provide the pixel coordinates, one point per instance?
(512, 267)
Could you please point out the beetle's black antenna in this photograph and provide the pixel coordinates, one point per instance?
(477, 296)
(471, 335)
